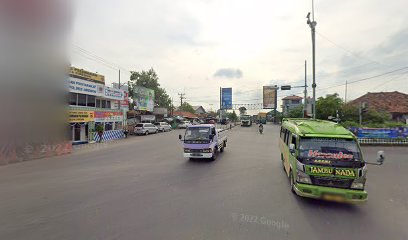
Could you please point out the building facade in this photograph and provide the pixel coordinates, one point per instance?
(91, 103)
(290, 102)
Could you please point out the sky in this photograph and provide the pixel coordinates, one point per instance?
(198, 46)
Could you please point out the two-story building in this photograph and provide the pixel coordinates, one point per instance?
(290, 102)
(91, 103)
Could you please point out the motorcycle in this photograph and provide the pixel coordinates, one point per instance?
(261, 129)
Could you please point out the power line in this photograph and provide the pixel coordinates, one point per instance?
(346, 50)
(364, 79)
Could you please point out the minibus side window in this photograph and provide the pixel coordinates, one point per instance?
(288, 134)
(294, 141)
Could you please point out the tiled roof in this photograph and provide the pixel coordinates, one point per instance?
(392, 102)
(185, 114)
(292, 98)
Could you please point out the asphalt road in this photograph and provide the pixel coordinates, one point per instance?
(142, 188)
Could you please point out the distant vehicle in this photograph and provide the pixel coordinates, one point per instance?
(246, 120)
(163, 126)
(145, 129)
(184, 124)
(203, 141)
(224, 121)
(323, 160)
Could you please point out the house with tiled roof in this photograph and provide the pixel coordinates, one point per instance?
(395, 103)
(187, 115)
(290, 102)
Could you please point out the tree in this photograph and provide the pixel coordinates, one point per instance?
(149, 79)
(242, 110)
(232, 116)
(186, 107)
(296, 112)
(327, 106)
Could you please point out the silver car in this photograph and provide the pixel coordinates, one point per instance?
(163, 126)
(145, 129)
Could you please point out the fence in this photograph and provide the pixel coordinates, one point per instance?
(110, 135)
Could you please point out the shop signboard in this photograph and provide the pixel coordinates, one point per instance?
(143, 98)
(85, 87)
(80, 116)
(270, 97)
(147, 118)
(113, 93)
(90, 76)
(101, 116)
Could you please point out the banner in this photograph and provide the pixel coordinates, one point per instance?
(269, 97)
(90, 76)
(108, 116)
(85, 87)
(226, 98)
(143, 98)
(380, 133)
(80, 116)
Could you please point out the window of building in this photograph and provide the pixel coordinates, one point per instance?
(295, 101)
(108, 104)
(81, 99)
(103, 103)
(73, 98)
(98, 103)
(90, 101)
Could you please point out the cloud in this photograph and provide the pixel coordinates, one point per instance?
(228, 73)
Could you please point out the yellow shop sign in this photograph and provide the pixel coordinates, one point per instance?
(81, 116)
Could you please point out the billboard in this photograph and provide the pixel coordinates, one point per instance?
(226, 98)
(270, 97)
(143, 98)
(113, 93)
(80, 116)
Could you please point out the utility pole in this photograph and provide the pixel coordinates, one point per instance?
(312, 25)
(220, 104)
(305, 105)
(345, 94)
(181, 98)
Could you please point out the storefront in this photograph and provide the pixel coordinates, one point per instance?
(80, 122)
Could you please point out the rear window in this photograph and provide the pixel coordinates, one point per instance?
(139, 125)
(156, 124)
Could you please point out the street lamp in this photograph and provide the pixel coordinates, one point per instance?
(312, 25)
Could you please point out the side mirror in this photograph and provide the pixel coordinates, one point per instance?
(380, 157)
(180, 136)
(291, 148)
(211, 137)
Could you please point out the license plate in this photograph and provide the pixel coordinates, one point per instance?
(196, 154)
(333, 198)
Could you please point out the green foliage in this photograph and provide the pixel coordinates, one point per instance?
(232, 116)
(296, 112)
(242, 110)
(99, 128)
(212, 114)
(186, 107)
(149, 79)
(327, 106)
(348, 124)
(349, 113)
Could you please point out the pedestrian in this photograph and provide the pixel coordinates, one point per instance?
(99, 130)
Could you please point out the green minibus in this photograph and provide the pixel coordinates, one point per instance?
(323, 160)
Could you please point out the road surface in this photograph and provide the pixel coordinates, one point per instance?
(142, 188)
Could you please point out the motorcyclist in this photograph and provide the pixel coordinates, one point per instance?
(260, 128)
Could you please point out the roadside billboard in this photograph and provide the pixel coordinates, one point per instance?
(226, 98)
(270, 97)
(113, 93)
(143, 98)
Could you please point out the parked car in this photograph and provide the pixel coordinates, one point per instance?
(184, 124)
(163, 126)
(145, 129)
